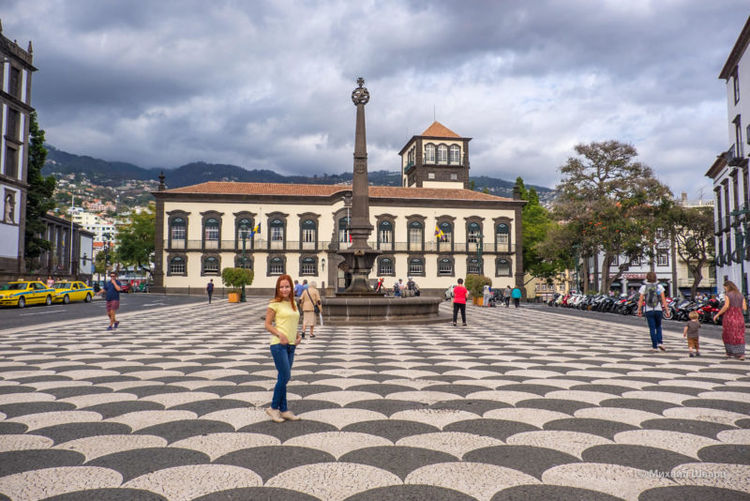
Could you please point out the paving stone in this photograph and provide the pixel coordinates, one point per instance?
(405, 413)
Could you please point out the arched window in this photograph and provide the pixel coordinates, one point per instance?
(416, 266)
(473, 231)
(309, 231)
(385, 235)
(308, 266)
(177, 266)
(442, 154)
(178, 230)
(211, 233)
(344, 236)
(445, 267)
(473, 266)
(276, 226)
(241, 261)
(385, 266)
(244, 230)
(447, 232)
(455, 155)
(429, 153)
(276, 265)
(502, 267)
(210, 265)
(502, 236)
(416, 235)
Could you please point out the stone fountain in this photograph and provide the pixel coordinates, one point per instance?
(359, 304)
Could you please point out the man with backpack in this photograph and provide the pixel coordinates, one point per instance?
(652, 303)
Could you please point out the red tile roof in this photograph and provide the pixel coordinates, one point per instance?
(439, 130)
(327, 190)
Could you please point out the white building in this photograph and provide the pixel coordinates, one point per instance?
(15, 107)
(97, 225)
(730, 170)
(199, 228)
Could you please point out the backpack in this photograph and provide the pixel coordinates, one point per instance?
(652, 296)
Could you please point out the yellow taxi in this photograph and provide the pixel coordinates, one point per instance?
(23, 292)
(65, 292)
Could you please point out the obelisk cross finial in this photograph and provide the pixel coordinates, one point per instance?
(360, 95)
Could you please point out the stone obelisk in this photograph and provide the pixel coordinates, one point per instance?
(360, 256)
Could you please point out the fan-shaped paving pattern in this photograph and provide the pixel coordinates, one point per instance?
(522, 404)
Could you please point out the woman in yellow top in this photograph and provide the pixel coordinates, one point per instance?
(282, 318)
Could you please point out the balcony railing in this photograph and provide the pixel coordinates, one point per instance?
(261, 245)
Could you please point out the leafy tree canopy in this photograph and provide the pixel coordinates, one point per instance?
(39, 198)
(136, 240)
(693, 231)
(536, 224)
(610, 204)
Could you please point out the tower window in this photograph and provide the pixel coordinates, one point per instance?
(442, 154)
(455, 155)
(429, 153)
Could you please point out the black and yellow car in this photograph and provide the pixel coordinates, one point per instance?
(23, 292)
(65, 292)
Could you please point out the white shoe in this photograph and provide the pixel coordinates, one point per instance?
(275, 415)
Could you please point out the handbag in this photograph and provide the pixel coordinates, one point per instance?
(316, 308)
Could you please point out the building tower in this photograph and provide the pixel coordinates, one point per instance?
(437, 158)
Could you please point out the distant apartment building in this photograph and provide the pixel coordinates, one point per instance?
(102, 229)
(15, 107)
(729, 171)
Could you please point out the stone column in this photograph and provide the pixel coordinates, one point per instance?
(360, 227)
(159, 240)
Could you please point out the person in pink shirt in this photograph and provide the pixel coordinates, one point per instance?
(459, 301)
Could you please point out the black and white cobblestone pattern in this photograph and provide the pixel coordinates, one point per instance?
(521, 404)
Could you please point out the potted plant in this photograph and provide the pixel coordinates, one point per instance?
(237, 279)
(475, 284)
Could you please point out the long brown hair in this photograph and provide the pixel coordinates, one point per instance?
(277, 293)
(730, 286)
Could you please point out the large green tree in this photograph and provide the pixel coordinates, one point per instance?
(39, 199)
(136, 240)
(693, 231)
(536, 224)
(611, 205)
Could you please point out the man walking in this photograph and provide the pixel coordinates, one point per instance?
(507, 295)
(111, 290)
(210, 289)
(459, 301)
(516, 293)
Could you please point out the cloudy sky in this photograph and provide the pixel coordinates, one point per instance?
(160, 83)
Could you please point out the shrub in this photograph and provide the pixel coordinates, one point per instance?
(236, 278)
(476, 283)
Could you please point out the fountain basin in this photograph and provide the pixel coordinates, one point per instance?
(375, 310)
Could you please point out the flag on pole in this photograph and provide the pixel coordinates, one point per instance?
(439, 233)
(256, 229)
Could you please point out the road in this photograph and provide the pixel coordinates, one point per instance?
(11, 317)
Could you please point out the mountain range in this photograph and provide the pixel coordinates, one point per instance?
(106, 173)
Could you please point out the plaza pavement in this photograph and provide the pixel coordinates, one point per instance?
(521, 404)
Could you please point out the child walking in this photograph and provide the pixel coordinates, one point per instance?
(691, 333)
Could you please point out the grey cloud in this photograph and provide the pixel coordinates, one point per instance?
(266, 84)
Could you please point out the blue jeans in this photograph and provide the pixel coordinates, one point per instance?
(283, 356)
(654, 326)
